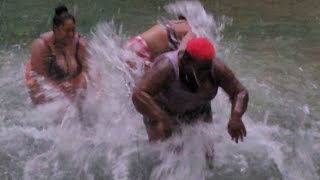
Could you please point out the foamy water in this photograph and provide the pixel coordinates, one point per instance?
(110, 142)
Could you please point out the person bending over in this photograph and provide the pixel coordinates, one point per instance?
(179, 87)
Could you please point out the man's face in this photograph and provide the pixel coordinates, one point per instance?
(192, 65)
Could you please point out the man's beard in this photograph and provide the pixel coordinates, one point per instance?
(189, 79)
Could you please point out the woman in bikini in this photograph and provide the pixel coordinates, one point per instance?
(161, 38)
(58, 59)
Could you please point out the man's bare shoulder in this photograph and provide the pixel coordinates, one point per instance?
(226, 77)
(158, 76)
(161, 67)
(161, 61)
(220, 69)
(218, 64)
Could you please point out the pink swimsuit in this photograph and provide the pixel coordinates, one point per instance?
(140, 47)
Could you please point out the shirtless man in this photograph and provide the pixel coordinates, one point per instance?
(178, 89)
(163, 37)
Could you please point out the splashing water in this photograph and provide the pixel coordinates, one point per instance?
(202, 23)
(110, 142)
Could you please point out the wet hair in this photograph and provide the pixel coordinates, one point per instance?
(61, 14)
(182, 17)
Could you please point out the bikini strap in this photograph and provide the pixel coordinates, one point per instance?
(77, 46)
(53, 69)
(46, 44)
(173, 41)
(77, 54)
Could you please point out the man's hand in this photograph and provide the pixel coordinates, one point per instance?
(236, 129)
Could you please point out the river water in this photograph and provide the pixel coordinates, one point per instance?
(273, 47)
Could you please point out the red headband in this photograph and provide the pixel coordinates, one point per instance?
(201, 49)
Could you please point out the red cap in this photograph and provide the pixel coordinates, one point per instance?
(201, 48)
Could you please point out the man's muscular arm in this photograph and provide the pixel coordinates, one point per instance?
(238, 96)
(154, 80)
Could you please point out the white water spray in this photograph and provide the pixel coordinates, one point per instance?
(110, 142)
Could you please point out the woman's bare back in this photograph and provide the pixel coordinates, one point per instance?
(157, 36)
